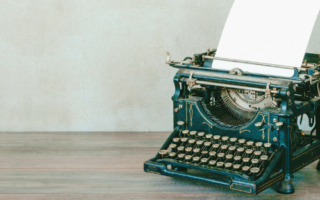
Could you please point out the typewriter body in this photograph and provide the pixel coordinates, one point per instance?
(240, 130)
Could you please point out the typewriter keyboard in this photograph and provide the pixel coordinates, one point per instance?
(219, 152)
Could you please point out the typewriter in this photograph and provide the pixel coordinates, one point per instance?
(238, 129)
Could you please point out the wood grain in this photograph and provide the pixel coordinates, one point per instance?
(108, 166)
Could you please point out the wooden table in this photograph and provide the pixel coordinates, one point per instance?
(108, 166)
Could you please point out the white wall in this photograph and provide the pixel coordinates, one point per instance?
(80, 65)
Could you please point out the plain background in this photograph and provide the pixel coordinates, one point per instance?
(80, 65)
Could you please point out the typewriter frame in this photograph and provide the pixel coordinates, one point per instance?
(264, 126)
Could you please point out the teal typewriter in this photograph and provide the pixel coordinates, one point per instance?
(238, 129)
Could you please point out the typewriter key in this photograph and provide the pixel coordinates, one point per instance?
(224, 148)
(240, 151)
(204, 161)
(215, 147)
(220, 164)
(237, 159)
(255, 162)
(199, 143)
(172, 155)
(201, 135)
(241, 142)
(176, 141)
(192, 134)
(173, 147)
(229, 158)
(236, 167)
(216, 138)
(221, 157)
(249, 153)
(246, 161)
(191, 142)
(212, 163)
(181, 156)
(250, 144)
(212, 155)
(264, 159)
(196, 159)
(183, 141)
(245, 169)
(225, 139)
(233, 141)
(188, 158)
(254, 172)
(232, 149)
(181, 126)
(163, 153)
(180, 149)
(188, 150)
(196, 152)
(207, 145)
(268, 147)
(228, 165)
(258, 145)
(257, 154)
(185, 133)
(204, 154)
(208, 137)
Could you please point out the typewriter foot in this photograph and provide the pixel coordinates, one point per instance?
(285, 187)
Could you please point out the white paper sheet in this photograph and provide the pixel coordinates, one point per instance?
(268, 31)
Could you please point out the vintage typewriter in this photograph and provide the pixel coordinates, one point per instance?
(241, 130)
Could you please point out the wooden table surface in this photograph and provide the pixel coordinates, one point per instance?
(108, 166)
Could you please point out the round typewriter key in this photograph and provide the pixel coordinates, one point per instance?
(173, 147)
(163, 153)
(180, 149)
(229, 158)
(264, 159)
(191, 142)
(240, 151)
(176, 141)
(181, 156)
(188, 150)
(220, 164)
(204, 161)
(255, 162)
(254, 172)
(204, 154)
(228, 165)
(201, 135)
(224, 148)
(233, 141)
(257, 154)
(245, 169)
(216, 138)
(184, 141)
(196, 151)
(212, 163)
(207, 145)
(199, 143)
(196, 159)
(236, 167)
(192, 134)
(249, 153)
(188, 158)
(250, 144)
(258, 145)
(172, 155)
(225, 139)
(215, 147)
(237, 159)
(232, 149)
(185, 133)
(208, 137)
(267, 146)
(221, 157)
(246, 161)
(212, 155)
(241, 142)
(180, 123)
